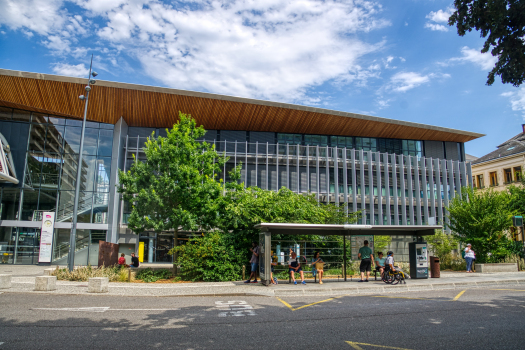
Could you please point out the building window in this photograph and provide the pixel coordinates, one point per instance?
(412, 148)
(480, 181)
(493, 179)
(507, 175)
(517, 173)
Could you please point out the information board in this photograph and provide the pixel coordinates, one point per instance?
(46, 237)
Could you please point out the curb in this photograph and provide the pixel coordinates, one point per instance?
(291, 292)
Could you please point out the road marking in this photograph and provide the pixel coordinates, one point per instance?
(97, 309)
(234, 308)
(308, 305)
(357, 347)
(459, 295)
(516, 290)
(385, 296)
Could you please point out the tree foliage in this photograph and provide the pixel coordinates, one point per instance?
(209, 258)
(176, 186)
(481, 218)
(502, 22)
(442, 244)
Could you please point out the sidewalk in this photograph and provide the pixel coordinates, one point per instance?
(23, 281)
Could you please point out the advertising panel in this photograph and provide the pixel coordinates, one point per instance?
(46, 237)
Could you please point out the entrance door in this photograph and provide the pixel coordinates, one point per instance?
(28, 246)
(164, 245)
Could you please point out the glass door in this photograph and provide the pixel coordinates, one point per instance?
(28, 246)
(164, 245)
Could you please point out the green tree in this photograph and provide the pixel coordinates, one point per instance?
(503, 24)
(243, 208)
(381, 242)
(209, 258)
(481, 218)
(175, 187)
(442, 244)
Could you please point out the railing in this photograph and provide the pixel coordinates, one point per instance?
(62, 249)
(65, 212)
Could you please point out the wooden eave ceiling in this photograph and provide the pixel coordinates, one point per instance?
(159, 107)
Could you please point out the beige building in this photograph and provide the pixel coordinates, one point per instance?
(501, 167)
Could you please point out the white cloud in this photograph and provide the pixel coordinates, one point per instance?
(70, 70)
(272, 49)
(41, 17)
(484, 60)
(517, 100)
(439, 27)
(438, 17)
(404, 81)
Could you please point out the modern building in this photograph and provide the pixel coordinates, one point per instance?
(503, 166)
(396, 172)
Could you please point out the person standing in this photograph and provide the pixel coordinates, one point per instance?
(469, 257)
(134, 261)
(254, 262)
(366, 256)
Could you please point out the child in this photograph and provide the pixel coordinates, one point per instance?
(317, 266)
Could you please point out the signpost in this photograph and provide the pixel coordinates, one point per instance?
(46, 237)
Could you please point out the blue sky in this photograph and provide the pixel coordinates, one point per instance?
(393, 59)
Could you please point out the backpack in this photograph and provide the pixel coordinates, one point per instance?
(463, 253)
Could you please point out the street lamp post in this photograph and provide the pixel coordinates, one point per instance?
(72, 238)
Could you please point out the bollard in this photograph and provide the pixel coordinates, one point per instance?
(48, 272)
(5, 281)
(46, 283)
(98, 285)
(243, 272)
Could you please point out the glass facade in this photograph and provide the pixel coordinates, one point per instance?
(51, 169)
(47, 182)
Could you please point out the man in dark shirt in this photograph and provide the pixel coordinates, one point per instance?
(134, 261)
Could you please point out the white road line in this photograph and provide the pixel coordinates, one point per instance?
(98, 309)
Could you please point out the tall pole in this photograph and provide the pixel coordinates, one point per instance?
(73, 236)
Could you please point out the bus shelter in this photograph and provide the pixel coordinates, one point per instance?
(269, 229)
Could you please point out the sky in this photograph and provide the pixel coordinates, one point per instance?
(392, 59)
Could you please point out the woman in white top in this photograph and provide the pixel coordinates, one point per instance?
(469, 257)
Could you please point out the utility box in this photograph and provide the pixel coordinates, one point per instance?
(418, 258)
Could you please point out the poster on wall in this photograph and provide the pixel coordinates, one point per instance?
(358, 241)
(46, 237)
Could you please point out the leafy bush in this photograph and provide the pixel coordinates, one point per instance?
(452, 262)
(149, 275)
(209, 258)
(114, 274)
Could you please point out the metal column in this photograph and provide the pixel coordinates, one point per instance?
(379, 190)
(395, 187)
(387, 188)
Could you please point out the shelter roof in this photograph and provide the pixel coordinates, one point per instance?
(148, 106)
(347, 230)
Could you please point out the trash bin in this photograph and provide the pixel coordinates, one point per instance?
(434, 267)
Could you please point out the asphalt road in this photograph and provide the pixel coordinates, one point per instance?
(490, 318)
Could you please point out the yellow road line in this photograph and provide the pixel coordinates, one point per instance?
(516, 290)
(302, 307)
(285, 303)
(385, 296)
(357, 347)
(459, 295)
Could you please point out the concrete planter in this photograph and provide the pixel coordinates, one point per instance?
(5, 281)
(46, 283)
(500, 267)
(98, 285)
